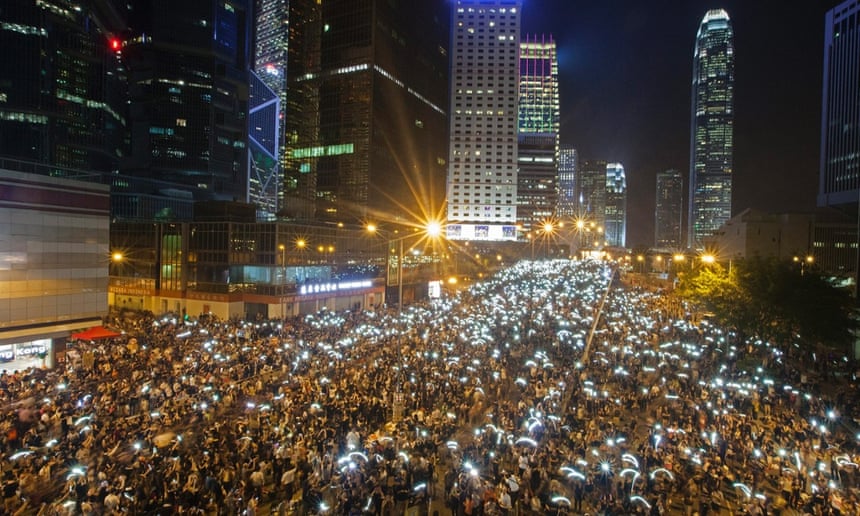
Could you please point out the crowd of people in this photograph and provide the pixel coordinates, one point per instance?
(550, 388)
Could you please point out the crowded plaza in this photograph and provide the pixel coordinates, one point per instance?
(554, 387)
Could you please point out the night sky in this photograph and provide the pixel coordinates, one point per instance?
(625, 71)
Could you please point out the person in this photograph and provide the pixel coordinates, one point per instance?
(505, 505)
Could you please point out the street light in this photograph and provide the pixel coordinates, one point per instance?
(546, 229)
(804, 262)
(283, 250)
(432, 229)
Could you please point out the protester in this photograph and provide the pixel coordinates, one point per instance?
(530, 393)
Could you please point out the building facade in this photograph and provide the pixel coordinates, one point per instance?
(538, 131)
(230, 265)
(591, 196)
(615, 226)
(53, 272)
(62, 89)
(271, 56)
(568, 169)
(482, 159)
(711, 134)
(366, 114)
(264, 148)
(839, 178)
(188, 95)
(669, 210)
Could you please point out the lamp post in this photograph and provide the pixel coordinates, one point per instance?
(430, 230)
(807, 260)
(283, 250)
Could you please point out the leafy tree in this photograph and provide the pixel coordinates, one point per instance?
(773, 300)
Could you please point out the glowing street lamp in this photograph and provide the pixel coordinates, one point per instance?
(432, 229)
(806, 261)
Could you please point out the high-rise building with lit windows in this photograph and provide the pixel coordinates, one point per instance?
(271, 38)
(568, 170)
(366, 110)
(669, 210)
(839, 179)
(482, 159)
(62, 88)
(538, 128)
(615, 226)
(188, 86)
(711, 138)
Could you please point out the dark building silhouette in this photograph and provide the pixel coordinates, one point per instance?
(188, 68)
(365, 120)
(62, 100)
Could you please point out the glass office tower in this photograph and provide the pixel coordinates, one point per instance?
(568, 165)
(669, 208)
(616, 205)
(366, 120)
(711, 138)
(62, 91)
(839, 180)
(538, 128)
(188, 87)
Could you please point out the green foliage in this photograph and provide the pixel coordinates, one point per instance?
(773, 300)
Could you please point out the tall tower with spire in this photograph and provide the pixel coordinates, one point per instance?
(711, 135)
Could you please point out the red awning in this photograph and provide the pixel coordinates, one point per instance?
(95, 333)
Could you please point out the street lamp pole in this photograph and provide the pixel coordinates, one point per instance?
(400, 280)
(283, 249)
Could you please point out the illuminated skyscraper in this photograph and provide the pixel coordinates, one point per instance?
(538, 126)
(711, 143)
(271, 36)
(568, 170)
(482, 159)
(669, 209)
(591, 196)
(365, 114)
(839, 179)
(616, 205)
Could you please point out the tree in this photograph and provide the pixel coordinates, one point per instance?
(774, 300)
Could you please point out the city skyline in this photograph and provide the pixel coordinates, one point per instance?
(627, 98)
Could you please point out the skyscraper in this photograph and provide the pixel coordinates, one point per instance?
(271, 38)
(264, 178)
(62, 90)
(366, 119)
(839, 179)
(615, 229)
(538, 127)
(591, 196)
(188, 87)
(568, 170)
(669, 209)
(482, 159)
(711, 143)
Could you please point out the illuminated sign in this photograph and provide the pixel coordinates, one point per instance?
(328, 150)
(322, 288)
(434, 289)
(489, 232)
